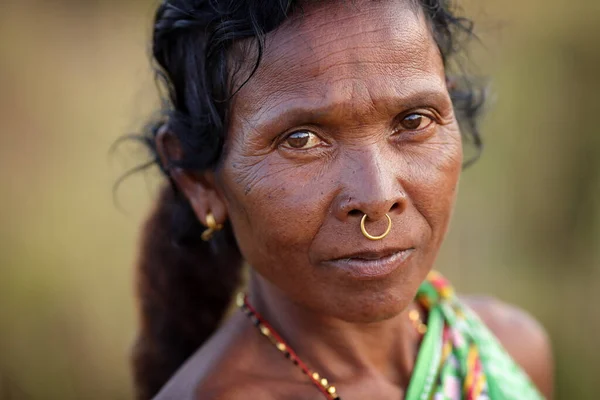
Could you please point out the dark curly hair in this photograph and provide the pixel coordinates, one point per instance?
(185, 285)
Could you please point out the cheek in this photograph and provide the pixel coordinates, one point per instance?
(432, 182)
(276, 208)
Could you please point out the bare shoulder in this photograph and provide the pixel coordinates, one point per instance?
(239, 391)
(225, 367)
(521, 335)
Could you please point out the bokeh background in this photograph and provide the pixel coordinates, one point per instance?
(74, 76)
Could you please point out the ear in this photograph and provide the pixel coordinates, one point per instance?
(198, 187)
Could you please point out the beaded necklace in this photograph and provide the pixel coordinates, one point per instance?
(318, 380)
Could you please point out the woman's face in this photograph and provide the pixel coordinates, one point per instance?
(347, 115)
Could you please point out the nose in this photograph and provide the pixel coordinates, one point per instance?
(371, 186)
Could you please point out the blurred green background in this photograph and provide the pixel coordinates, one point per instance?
(74, 75)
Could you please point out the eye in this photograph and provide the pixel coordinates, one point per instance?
(301, 140)
(415, 122)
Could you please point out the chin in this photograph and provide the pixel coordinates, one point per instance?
(370, 306)
(367, 301)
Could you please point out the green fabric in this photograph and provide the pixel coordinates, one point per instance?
(460, 359)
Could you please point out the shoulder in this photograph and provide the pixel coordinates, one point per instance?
(237, 391)
(522, 336)
(225, 368)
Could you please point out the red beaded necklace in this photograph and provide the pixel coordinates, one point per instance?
(318, 380)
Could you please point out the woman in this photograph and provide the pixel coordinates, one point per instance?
(318, 142)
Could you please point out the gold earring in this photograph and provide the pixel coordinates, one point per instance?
(212, 227)
(371, 237)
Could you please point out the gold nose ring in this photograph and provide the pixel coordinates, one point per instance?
(371, 237)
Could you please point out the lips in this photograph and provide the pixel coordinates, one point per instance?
(372, 264)
(371, 255)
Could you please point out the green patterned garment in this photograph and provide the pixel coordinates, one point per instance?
(460, 359)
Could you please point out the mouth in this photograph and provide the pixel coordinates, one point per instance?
(372, 265)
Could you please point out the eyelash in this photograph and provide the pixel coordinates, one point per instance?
(433, 119)
(288, 136)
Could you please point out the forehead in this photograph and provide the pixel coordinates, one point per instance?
(342, 51)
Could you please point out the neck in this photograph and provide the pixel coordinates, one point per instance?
(341, 350)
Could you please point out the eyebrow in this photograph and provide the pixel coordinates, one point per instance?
(305, 110)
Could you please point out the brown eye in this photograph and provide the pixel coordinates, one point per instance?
(415, 122)
(301, 140)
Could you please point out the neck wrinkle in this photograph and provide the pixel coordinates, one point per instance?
(340, 351)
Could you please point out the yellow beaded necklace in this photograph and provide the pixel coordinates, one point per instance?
(319, 381)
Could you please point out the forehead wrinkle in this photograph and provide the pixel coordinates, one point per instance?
(389, 88)
(354, 103)
(397, 54)
(266, 99)
(342, 11)
(260, 97)
(365, 23)
(283, 66)
(307, 29)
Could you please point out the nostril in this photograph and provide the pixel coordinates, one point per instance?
(355, 212)
(394, 207)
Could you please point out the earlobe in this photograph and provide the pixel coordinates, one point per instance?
(202, 195)
(198, 187)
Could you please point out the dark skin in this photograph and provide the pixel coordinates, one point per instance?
(336, 124)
